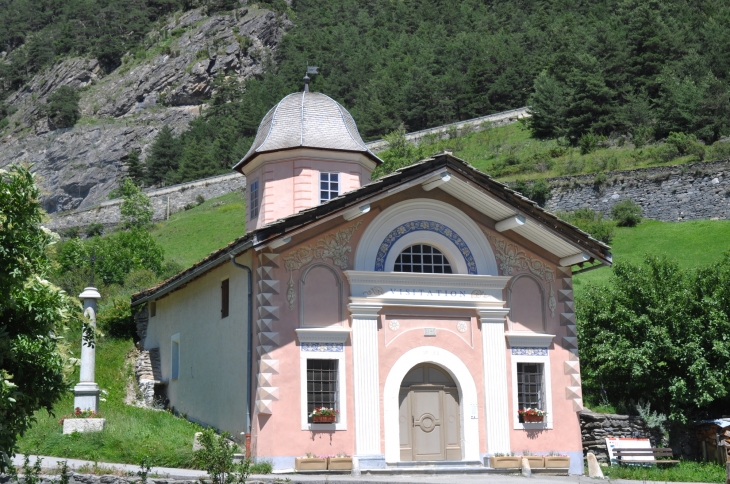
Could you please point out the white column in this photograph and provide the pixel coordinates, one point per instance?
(496, 407)
(86, 393)
(365, 370)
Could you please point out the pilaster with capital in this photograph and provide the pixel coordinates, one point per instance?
(494, 358)
(366, 383)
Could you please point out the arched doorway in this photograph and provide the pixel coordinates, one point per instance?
(430, 415)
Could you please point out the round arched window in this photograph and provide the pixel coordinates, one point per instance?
(422, 258)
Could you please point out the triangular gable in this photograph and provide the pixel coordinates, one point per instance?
(443, 171)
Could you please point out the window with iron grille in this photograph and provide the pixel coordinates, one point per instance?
(322, 387)
(329, 186)
(530, 386)
(254, 199)
(422, 258)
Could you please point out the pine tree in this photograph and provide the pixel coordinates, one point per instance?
(163, 159)
(548, 105)
(135, 168)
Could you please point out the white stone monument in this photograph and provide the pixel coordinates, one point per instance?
(86, 393)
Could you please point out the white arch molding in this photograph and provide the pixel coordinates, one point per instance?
(432, 210)
(467, 395)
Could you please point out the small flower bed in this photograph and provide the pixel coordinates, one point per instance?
(78, 413)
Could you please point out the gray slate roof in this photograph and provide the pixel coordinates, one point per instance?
(308, 120)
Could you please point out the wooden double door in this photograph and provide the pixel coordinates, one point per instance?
(430, 416)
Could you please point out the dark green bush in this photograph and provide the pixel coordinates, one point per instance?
(588, 143)
(626, 213)
(62, 108)
(115, 319)
(94, 229)
(592, 222)
(686, 144)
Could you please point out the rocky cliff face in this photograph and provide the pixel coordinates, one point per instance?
(124, 110)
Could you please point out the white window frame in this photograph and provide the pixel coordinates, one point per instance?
(545, 360)
(251, 205)
(174, 343)
(329, 181)
(341, 423)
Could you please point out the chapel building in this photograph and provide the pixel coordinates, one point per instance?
(427, 308)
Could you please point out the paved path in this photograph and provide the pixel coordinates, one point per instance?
(192, 474)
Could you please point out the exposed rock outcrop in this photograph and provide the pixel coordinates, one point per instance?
(125, 109)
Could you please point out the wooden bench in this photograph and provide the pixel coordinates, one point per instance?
(651, 456)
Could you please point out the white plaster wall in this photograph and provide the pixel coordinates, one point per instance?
(211, 387)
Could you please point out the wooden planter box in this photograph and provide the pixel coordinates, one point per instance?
(554, 461)
(505, 462)
(536, 461)
(339, 463)
(531, 419)
(324, 418)
(310, 464)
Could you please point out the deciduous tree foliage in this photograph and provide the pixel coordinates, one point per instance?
(662, 334)
(32, 310)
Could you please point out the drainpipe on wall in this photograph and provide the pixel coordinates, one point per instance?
(250, 347)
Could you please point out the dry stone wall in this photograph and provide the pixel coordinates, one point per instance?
(668, 193)
(108, 213)
(596, 427)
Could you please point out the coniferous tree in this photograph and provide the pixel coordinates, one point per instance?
(135, 168)
(163, 160)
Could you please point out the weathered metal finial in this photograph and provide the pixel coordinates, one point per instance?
(310, 70)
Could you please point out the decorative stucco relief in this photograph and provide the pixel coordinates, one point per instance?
(530, 351)
(512, 259)
(334, 246)
(323, 347)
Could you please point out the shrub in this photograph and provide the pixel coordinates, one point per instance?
(200, 199)
(719, 151)
(686, 144)
(216, 457)
(262, 467)
(626, 213)
(116, 319)
(664, 153)
(592, 222)
(588, 143)
(62, 108)
(95, 229)
(557, 151)
(72, 233)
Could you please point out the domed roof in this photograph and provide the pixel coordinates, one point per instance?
(307, 120)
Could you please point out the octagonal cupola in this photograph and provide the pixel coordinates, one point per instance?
(307, 151)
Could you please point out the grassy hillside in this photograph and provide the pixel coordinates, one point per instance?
(692, 244)
(131, 433)
(511, 153)
(191, 235)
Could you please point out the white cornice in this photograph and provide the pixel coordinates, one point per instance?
(323, 335)
(527, 339)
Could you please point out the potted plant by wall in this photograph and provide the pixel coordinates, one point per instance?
(339, 462)
(324, 415)
(505, 461)
(536, 461)
(554, 460)
(531, 415)
(310, 462)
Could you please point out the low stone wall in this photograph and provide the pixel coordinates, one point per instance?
(668, 193)
(178, 196)
(596, 427)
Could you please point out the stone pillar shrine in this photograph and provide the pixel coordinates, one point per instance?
(86, 393)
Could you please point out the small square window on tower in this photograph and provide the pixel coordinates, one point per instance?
(224, 299)
(329, 186)
(253, 199)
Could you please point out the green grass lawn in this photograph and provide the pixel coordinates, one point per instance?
(131, 433)
(685, 471)
(691, 244)
(192, 234)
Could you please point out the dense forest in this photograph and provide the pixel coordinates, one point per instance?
(606, 68)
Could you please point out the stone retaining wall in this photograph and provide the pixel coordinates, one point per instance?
(596, 427)
(668, 193)
(179, 196)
